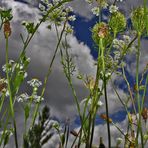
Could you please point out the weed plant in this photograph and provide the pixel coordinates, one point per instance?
(112, 44)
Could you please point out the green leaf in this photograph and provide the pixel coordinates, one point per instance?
(63, 139)
(27, 111)
(6, 15)
(142, 87)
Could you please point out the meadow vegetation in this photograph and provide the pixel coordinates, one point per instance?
(113, 40)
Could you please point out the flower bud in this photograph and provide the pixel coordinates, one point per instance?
(104, 116)
(3, 85)
(138, 19)
(7, 29)
(101, 31)
(117, 22)
(145, 114)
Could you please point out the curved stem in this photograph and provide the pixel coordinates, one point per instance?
(130, 91)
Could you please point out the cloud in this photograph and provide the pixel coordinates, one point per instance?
(131, 59)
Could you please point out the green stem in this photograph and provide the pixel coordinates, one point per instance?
(144, 93)
(94, 107)
(145, 14)
(10, 94)
(137, 93)
(129, 89)
(105, 93)
(48, 73)
(2, 101)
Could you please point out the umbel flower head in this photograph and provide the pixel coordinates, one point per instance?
(138, 19)
(7, 29)
(117, 22)
(100, 31)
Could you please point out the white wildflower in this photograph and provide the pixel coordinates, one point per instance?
(113, 9)
(69, 9)
(100, 103)
(72, 18)
(69, 30)
(25, 74)
(37, 99)
(119, 140)
(116, 43)
(119, 44)
(10, 65)
(127, 38)
(23, 97)
(34, 82)
(41, 7)
(95, 11)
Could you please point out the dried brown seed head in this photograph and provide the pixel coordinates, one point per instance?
(7, 29)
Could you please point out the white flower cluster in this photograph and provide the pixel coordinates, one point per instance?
(95, 11)
(12, 66)
(100, 103)
(118, 44)
(37, 99)
(34, 83)
(121, 44)
(26, 98)
(69, 29)
(58, 15)
(119, 140)
(113, 9)
(23, 98)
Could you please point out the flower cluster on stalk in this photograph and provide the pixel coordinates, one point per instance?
(19, 67)
(35, 84)
(58, 15)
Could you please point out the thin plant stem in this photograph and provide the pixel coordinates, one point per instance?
(2, 101)
(123, 103)
(10, 95)
(145, 14)
(105, 92)
(137, 92)
(144, 93)
(130, 92)
(47, 75)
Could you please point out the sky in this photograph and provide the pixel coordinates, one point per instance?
(58, 95)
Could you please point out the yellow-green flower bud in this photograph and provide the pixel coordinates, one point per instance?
(138, 19)
(117, 22)
(100, 31)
